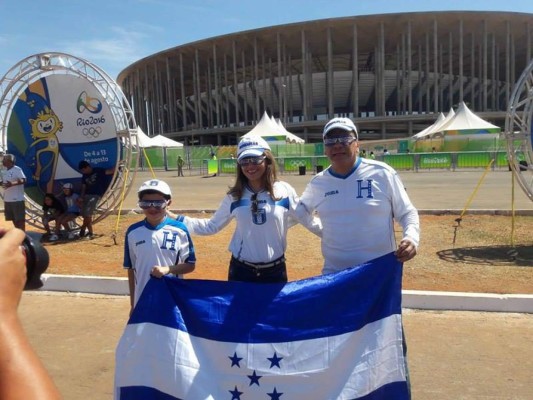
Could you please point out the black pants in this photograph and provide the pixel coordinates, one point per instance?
(239, 271)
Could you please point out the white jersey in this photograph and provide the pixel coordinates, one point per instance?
(14, 193)
(146, 246)
(357, 212)
(259, 237)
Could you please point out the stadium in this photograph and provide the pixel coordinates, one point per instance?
(392, 73)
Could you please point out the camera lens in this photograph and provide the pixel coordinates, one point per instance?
(37, 260)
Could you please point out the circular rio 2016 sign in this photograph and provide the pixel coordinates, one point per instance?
(57, 122)
(57, 110)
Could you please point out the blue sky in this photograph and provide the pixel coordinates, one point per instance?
(115, 33)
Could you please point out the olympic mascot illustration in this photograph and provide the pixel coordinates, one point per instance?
(44, 131)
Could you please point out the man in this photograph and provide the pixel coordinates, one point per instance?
(94, 183)
(13, 180)
(180, 166)
(357, 200)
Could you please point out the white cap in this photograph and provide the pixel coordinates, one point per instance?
(340, 123)
(253, 146)
(156, 185)
(67, 186)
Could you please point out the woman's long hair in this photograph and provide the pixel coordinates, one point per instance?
(269, 177)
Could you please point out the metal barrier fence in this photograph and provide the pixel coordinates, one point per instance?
(313, 164)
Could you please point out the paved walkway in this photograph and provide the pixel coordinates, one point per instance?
(429, 190)
(452, 355)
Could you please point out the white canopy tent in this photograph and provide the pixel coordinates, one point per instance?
(436, 127)
(269, 130)
(163, 141)
(462, 122)
(145, 141)
(467, 122)
(289, 137)
(429, 129)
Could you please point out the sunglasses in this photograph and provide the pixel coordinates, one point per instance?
(344, 140)
(251, 160)
(254, 203)
(157, 204)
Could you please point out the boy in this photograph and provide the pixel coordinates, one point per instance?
(157, 245)
(72, 201)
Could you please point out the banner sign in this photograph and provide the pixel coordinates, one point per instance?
(58, 121)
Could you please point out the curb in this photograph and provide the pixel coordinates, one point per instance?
(414, 299)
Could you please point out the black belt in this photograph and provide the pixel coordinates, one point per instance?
(274, 263)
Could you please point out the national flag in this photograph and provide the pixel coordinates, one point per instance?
(336, 336)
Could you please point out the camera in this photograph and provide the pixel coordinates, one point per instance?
(37, 260)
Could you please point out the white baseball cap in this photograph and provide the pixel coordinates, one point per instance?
(67, 186)
(253, 146)
(340, 123)
(156, 185)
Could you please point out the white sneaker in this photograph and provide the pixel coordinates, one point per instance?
(53, 238)
(71, 236)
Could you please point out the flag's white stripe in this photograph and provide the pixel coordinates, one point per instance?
(340, 367)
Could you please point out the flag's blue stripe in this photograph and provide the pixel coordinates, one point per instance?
(394, 390)
(144, 393)
(241, 312)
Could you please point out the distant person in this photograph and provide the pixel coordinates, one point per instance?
(385, 152)
(22, 374)
(13, 180)
(158, 245)
(180, 163)
(362, 153)
(94, 183)
(72, 202)
(433, 150)
(264, 210)
(372, 155)
(53, 209)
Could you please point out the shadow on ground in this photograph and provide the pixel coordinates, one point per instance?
(519, 256)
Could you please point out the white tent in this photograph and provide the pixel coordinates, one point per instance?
(156, 141)
(436, 127)
(271, 131)
(289, 137)
(143, 140)
(429, 129)
(163, 141)
(466, 122)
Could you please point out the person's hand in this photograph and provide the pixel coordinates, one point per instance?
(159, 271)
(406, 250)
(12, 269)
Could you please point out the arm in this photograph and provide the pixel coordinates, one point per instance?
(22, 375)
(179, 269)
(210, 226)
(131, 285)
(407, 216)
(307, 219)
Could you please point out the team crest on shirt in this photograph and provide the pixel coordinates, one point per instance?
(259, 217)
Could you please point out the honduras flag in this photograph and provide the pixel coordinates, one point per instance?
(336, 336)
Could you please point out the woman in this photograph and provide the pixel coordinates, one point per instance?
(264, 209)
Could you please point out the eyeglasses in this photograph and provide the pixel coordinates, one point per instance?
(157, 204)
(254, 203)
(344, 140)
(251, 160)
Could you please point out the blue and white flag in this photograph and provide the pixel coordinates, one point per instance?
(335, 336)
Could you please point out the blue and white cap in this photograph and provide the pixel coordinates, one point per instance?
(253, 146)
(157, 186)
(340, 123)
